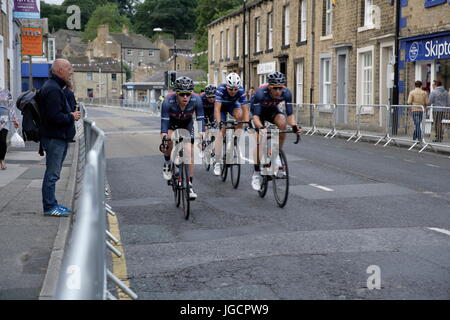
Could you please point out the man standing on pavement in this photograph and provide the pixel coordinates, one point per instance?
(438, 98)
(418, 97)
(57, 130)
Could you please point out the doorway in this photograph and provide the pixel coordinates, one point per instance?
(341, 91)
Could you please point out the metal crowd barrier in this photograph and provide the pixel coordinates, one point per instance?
(436, 123)
(84, 272)
(154, 108)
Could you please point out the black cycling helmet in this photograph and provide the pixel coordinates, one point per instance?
(276, 78)
(210, 91)
(184, 84)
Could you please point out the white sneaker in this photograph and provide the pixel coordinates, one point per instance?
(192, 194)
(217, 169)
(256, 181)
(167, 174)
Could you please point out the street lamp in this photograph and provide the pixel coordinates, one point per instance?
(174, 43)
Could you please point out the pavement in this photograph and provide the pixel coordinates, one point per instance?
(31, 243)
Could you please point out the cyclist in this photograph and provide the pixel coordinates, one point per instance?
(208, 99)
(265, 107)
(178, 113)
(231, 99)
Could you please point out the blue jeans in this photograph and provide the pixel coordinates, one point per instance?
(55, 150)
(417, 118)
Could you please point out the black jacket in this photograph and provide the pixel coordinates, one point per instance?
(70, 98)
(57, 122)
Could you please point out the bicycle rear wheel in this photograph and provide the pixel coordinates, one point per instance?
(185, 192)
(281, 182)
(264, 186)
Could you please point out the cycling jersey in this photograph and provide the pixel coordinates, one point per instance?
(172, 117)
(266, 107)
(229, 103)
(208, 108)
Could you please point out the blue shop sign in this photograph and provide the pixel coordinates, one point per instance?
(428, 49)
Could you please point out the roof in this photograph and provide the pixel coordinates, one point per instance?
(182, 44)
(78, 48)
(136, 41)
(236, 12)
(72, 33)
(196, 75)
(83, 64)
(62, 36)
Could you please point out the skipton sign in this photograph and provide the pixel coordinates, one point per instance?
(428, 49)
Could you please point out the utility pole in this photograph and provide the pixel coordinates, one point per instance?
(30, 80)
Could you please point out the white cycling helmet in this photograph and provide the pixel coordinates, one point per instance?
(233, 80)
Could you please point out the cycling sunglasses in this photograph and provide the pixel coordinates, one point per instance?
(184, 94)
(277, 88)
(232, 89)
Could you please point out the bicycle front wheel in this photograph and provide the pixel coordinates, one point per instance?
(185, 192)
(175, 188)
(281, 182)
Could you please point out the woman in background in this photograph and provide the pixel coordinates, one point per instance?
(7, 117)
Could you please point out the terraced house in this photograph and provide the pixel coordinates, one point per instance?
(327, 54)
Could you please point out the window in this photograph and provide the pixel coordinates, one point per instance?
(222, 46)
(366, 78)
(114, 76)
(4, 9)
(141, 53)
(302, 21)
(246, 38)
(129, 52)
(286, 23)
(89, 76)
(258, 34)
(327, 17)
(262, 79)
(325, 96)
(236, 41)
(151, 53)
(224, 75)
(90, 93)
(51, 49)
(216, 77)
(368, 13)
(269, 31)
(228, 43)
(299, 82)
(213, 49)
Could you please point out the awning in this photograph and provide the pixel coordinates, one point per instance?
(40, 70)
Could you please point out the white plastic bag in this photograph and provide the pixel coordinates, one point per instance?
(17, 141)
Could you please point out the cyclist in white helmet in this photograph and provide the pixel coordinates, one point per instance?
(231, 99)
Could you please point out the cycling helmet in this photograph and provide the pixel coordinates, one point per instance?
(184, 84)
(210, 91)
(276, 78)
(233, 80)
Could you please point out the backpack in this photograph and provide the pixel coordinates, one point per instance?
(28, 104)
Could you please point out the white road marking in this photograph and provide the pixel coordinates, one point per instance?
(432, 165)
(410, 161)
(320, 187)
(440, 230)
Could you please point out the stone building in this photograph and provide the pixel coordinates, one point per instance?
(134, 49)
(424, 44)
(332, 51)
(97, 78)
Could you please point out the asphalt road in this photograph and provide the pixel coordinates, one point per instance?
(351, 206)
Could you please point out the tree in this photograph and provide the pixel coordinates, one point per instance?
(107, 14)
(126, 7)
(176, 15)
(206, 12)
(55, 14)
(87, 7)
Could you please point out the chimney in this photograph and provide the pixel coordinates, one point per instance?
(102, 32)
(125, 30)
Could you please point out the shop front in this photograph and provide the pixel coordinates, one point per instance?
(429, 55)
(264, 69)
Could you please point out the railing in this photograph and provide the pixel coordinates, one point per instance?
(84, 272)
(414, 125)
(153, 108)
